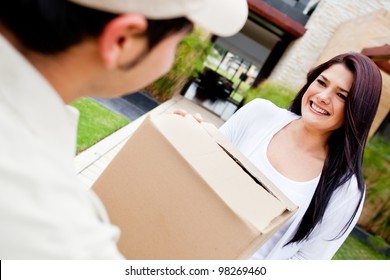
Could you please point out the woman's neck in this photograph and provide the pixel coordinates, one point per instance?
(306, 139)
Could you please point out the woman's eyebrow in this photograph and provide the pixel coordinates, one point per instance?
(327, 80)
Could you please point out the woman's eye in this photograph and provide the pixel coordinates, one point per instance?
(342, 96)
(321, 82)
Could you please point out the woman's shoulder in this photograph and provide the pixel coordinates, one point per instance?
(264, 107)
(262, 103)
(256, 115)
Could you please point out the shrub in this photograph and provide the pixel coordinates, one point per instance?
(376, 169)
(191, 53)
(281, 95)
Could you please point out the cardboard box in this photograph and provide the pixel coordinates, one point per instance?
(179, 190)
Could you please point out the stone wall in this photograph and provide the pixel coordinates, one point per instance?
(373, 31)
(303, 53)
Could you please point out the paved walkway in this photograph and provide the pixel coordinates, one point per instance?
(91, 163)
(130, 106)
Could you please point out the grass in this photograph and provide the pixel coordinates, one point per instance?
(95, 123)
(354, 249)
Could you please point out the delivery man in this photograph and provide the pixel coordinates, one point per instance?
(53, 52)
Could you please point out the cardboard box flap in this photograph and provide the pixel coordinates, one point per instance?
(220, 171)
(247, 165)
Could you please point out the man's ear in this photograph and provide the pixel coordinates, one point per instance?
(117, 34)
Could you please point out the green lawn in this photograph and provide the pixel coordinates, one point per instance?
(354, 249)
(95, 123)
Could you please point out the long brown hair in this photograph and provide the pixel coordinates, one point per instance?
(346, 144)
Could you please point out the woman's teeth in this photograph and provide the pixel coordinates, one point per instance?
(318, 109)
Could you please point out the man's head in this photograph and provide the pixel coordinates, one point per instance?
(126, 32)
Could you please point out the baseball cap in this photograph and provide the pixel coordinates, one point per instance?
(220, 17)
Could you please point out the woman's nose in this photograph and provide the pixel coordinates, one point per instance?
(323, 98)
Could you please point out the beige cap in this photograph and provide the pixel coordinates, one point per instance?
(220, 17)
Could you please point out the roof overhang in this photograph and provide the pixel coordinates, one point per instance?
(282, 21)
(380, 55)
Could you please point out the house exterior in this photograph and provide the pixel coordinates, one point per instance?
(286, 38)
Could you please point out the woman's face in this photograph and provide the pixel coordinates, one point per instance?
(323, 103)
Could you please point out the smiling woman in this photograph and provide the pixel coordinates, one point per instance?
(324, 101)
(313, 152)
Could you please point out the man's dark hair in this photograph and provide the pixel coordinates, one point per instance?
(52, 26)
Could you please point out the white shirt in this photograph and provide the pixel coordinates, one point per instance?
(45, 213)
(251, 129)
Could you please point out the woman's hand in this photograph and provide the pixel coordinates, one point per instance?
(196, 116)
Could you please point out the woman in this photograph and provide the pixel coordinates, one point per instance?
(313, 152)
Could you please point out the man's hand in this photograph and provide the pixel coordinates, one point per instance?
(196, 116)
